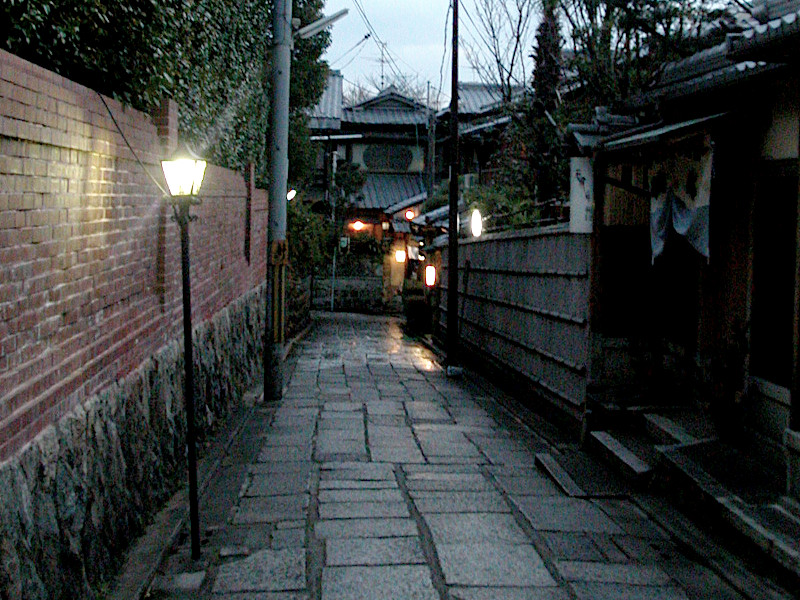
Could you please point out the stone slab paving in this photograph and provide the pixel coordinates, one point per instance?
(381, 479)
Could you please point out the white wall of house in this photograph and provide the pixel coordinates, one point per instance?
(782, 138)
(415, 162)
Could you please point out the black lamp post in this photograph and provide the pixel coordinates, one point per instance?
(184, 175)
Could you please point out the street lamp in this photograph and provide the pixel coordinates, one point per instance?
(476, 223)
(184, 174)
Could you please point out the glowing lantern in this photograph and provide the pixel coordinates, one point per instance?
(430, 275)
(476, 223)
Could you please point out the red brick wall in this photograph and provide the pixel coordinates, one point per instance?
(89, 257)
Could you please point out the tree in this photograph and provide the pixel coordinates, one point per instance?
(619, 46)
(546, 157)
(503, 29)
(408, 86)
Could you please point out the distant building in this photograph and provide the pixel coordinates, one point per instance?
(386, 137)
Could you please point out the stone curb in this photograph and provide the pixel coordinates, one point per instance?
(148, 551)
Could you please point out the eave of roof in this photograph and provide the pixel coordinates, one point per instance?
(381, 190)
(654, 134)
(766, 39)
(407, 203)
(711, 81)
(382, 116)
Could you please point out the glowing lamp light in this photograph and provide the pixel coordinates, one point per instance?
(410, 214)
(476, 223)
(400, 256)
(291, 194)
(184, 174)
(385, 225)
(358, 225)
(430, 275)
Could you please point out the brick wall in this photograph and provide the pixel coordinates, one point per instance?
(89, 257)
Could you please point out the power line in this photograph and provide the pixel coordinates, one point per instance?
(378, 41)
(356, 45)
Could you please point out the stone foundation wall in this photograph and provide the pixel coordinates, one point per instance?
(351, 294)
(74, 498)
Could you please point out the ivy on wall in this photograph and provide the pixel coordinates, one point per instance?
(211, 56)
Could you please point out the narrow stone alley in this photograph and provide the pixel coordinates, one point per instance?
(377, 477)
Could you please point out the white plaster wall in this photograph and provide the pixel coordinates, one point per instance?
(782, 138)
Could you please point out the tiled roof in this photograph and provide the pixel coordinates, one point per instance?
(383, 190)
(714, 79)
(478, 98)
(766, 37)
(384, 116)
(407, 203)
(401, 226)
(327, 114)
(389, 107)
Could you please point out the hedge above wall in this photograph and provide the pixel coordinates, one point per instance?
(211, 56)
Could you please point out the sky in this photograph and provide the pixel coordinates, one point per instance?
(413, 32)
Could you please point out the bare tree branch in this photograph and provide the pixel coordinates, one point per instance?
(504, 34)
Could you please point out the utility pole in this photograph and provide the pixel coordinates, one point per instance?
(334, 193)
(277, 249)
(431, 175)
(452, 341)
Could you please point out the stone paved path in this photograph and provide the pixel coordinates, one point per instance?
(379, 478)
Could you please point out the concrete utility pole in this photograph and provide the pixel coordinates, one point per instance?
(277, 249)
(452, 340)
(431, 167)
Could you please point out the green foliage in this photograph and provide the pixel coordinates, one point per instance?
(503, 204)
(546, 158)
(211, 56)
(365, 245)
(363, 256)
(308, 235)
(350, 178)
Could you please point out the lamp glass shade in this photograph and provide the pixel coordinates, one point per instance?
(400, 256)
(184, 175)
(476, 223)
(430, 275)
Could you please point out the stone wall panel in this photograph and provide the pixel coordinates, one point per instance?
(76, 496)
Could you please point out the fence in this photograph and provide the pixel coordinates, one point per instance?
(523, 304)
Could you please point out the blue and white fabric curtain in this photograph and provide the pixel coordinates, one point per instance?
(681, 187)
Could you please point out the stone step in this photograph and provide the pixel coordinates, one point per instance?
(559, 475)
(667, 431)
(774, 527)
(630, 464)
